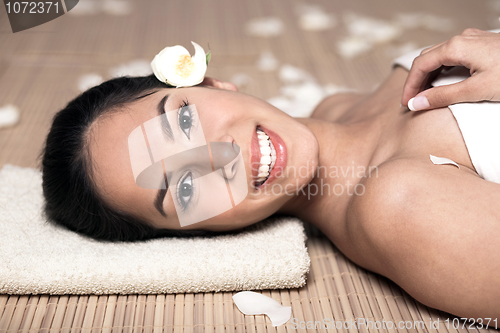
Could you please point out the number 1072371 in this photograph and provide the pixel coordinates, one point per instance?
(32, 7)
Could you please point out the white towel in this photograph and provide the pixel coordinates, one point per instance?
(37, 257)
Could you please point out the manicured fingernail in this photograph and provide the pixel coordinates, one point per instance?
(418, 103)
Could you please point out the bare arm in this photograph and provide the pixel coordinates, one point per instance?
(433, 230)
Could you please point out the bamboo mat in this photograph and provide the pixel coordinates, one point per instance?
(337, 290)
(38, 73)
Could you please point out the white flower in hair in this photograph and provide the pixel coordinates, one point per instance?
(175, 66)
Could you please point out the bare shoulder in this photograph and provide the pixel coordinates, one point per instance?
(432, 229)
(334, 106)
(409, 191)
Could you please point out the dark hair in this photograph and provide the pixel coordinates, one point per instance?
(70, 194)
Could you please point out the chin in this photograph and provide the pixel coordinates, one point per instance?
(303, 157)
(297, 147)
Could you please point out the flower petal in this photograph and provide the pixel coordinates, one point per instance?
(169, 58)
(200, 60)
(156, 72)
(168, 66)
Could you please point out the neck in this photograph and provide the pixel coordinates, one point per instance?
(346, 157)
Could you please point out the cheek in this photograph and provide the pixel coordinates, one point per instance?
(219, 119)
(244, 214)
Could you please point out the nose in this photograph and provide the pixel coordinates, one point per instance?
(224, 156)
(226, 138)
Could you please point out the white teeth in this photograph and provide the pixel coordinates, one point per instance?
(265, 150)
(268, 156)
(265, 160)
(263, 168)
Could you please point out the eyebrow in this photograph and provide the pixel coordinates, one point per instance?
(167, 130)
(165, 124)
(160, 196)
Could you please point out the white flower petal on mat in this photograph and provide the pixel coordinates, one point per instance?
(240, 80)
(292, 74)
(267, 61)
(314, 18)
(138, 67)
(442, 160)
(294, 108)
(252, 303)
(9, 115)
(281, 102)
(373, 30)
(408, 20)
(117, 7)
(397, 51)
(304, 97)
(301, 109)
(300, 93)
(265, 27)
(88, 81)
(332, 89)
(424, 20)
(317, 21)
(175, 66)
(438, 23)
(305, 91)
(352, 46)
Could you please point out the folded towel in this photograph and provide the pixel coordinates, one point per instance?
(38, 257)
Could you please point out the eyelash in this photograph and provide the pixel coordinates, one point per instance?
(184, 104)
(193, 189)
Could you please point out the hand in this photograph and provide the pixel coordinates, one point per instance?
(211, 82)
(477, 50)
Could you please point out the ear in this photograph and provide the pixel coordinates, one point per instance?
(211, 82)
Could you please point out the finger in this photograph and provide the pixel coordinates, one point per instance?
(437, 97)
(473, 32)
(431, 48)
(415, 83)
(417, 80)
(426, 63)
(209, 81)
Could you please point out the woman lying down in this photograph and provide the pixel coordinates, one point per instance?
(410, 195)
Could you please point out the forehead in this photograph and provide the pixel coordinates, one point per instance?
(108, 148)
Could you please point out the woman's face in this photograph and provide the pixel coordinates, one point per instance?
(224, 116)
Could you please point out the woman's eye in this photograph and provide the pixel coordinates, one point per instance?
(185, 190)
(185, 121)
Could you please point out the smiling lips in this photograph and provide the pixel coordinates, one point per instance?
(268, 155)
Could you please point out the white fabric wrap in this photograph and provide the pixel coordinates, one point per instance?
(478, 121)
